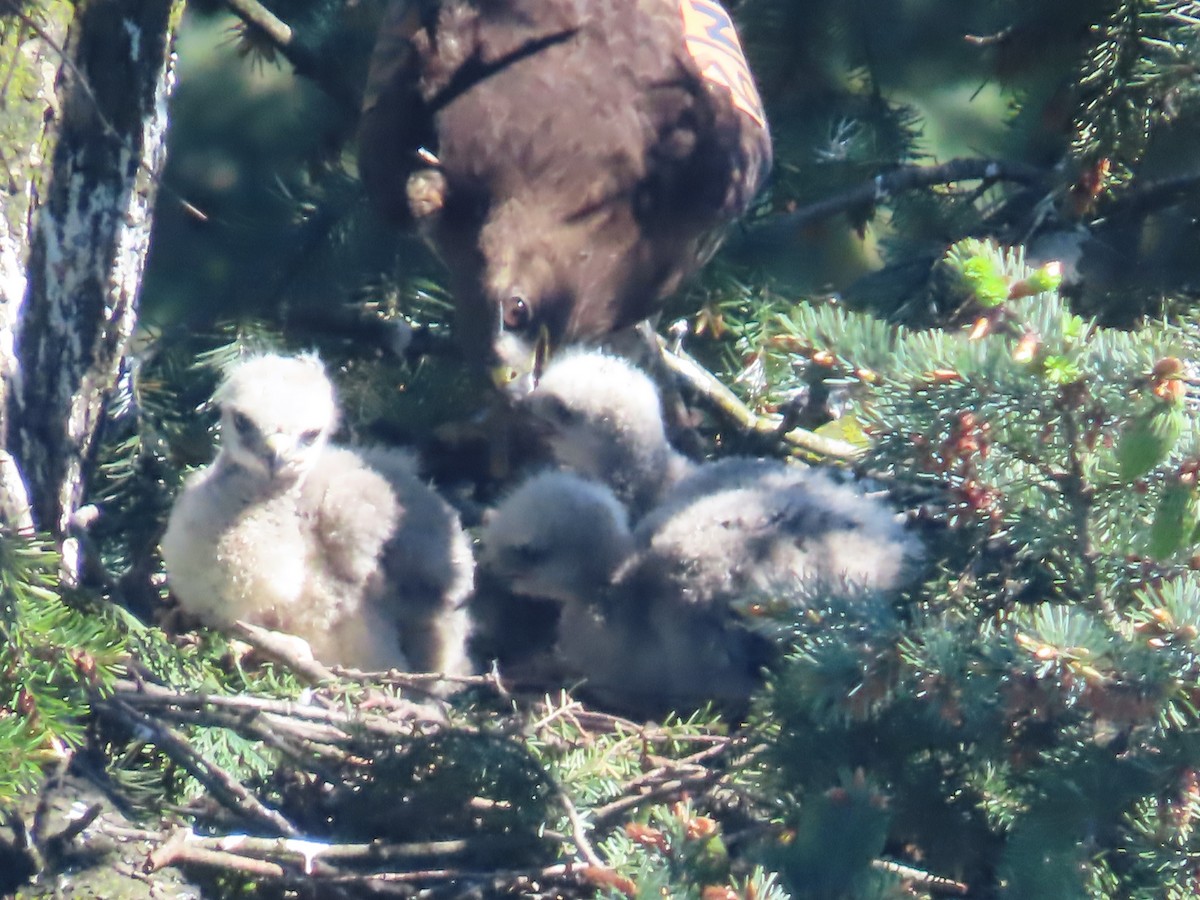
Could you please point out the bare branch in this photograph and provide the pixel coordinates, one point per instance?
(707, 385)
(661, 783)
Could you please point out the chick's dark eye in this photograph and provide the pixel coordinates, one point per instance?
(243, 424)
(516, 313)
(308, 438)
(527, 554)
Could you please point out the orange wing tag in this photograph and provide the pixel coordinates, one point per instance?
(709, 37)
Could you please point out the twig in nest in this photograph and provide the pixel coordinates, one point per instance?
(420, 679)
(280, 648)
(661, 782)
(183, 845)
(284, 650)
(556, 712)
(319, 729)
(579, 832)
(178, 848)
(230, 792)
(261, 857)
(707, 385)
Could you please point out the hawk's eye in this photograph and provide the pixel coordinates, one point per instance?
(308, 438)
(242, 423)
(516, 313)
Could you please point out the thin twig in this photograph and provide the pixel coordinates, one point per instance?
(256, 856)
(279, 648)
(178, 850)
(283, 650)
(304, 850)
(497, 877)
(683, 773)
(556, 712)
(146, 694)
(320, 731)
(419, 679)
(579, 832)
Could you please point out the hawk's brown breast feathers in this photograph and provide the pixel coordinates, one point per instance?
(571, 161)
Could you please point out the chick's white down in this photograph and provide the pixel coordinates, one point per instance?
(346, 548)
(601, 417)
(649, 615)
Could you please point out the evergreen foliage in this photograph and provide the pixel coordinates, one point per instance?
(54, 656)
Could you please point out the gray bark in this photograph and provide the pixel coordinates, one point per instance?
(89, 235)
(29, 61)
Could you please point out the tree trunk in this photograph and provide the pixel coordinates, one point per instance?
(29, 60)
(87, 245)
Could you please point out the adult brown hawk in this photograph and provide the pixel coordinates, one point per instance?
(571, 161)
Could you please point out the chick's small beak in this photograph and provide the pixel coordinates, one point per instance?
(277, 448)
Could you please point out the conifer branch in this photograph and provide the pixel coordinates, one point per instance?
(1146, 199)
(908, 178)
(304, 60)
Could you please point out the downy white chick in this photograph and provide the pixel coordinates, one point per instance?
(740, 529)
(650, 616)
(345, 548)
(561, 537)
(601, 418)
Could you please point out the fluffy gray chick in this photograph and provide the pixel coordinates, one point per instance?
(601, 417)
(744, 529)
(561, 537)
(344, 548)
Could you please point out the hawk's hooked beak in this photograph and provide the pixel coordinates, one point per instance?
(541, 354)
